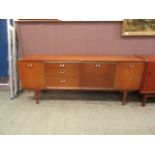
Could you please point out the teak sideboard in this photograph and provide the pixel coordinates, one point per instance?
(79, 72)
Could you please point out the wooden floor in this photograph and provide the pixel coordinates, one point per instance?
(75, 113)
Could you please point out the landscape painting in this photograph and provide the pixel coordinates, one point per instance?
(138, 27)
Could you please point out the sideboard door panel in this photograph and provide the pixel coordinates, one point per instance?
(128, 76)
(148, 84)
(31, 75)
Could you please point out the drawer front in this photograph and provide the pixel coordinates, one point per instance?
(62, 74)
(97, 75)
(61, 69)
(62, 82)
(82, 75)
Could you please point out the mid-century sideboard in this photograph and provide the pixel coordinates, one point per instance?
(81, 72)
(77, 57)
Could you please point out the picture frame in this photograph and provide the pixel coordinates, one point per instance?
(138, 27)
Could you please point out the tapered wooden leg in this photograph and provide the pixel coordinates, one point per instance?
(36, 96)
(144, 100)
(44, 91)
(125, 93)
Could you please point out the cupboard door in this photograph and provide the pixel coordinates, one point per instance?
(97, 75)
(148, 84)
(31, 75)
(128, 76)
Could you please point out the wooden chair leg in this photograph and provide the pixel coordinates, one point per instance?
(125, 93)
(36, 96)
(144, 100)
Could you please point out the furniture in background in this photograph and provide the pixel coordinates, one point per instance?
(148, 81)
(42, 72)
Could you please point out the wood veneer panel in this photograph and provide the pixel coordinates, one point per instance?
(98, 75)
(32, 75)
(86, 75)
(128, 76)
(60, 69)
(62, 74)
(148, 85)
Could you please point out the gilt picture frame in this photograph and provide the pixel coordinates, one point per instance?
(138, 27)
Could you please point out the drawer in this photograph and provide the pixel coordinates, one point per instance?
(61, 69)
(87, 75)
(62, 74)
(100, 75)
(62, 82)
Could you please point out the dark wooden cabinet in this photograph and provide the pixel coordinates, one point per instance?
(122, 73)
(148, 82)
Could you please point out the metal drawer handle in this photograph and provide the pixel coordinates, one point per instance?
(29, 65)
(62, 65)
(98, 65)
(62, 71)
(63, 81)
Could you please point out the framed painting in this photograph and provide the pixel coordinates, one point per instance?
(138, 27)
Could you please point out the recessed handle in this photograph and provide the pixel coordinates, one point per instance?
(63, 81)
(98, 65)
(62, 65)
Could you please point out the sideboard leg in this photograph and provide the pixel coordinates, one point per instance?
(144, 100)
(36, 95)
(44, 91)
(125, 93)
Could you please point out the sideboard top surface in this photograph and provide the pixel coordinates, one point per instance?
(121, 58)
(147, 57)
